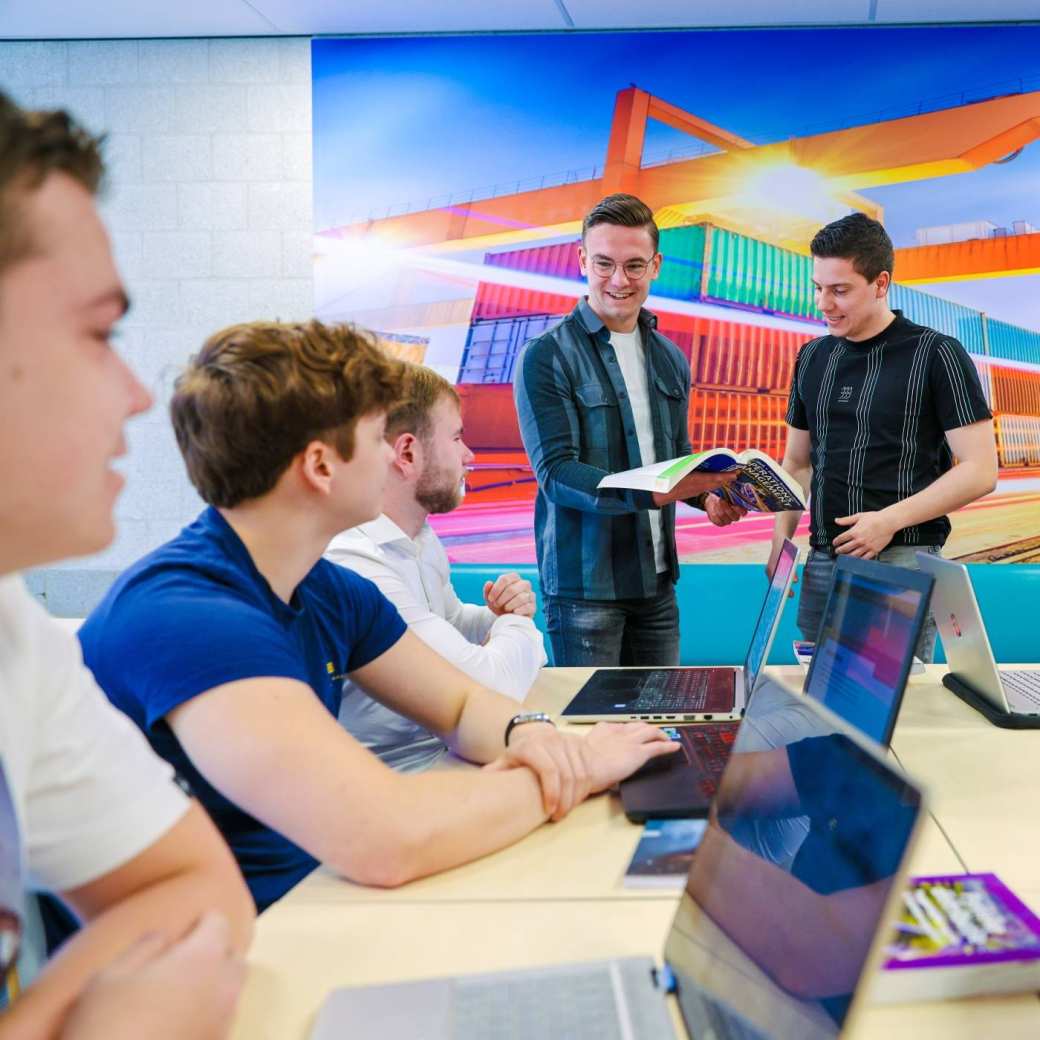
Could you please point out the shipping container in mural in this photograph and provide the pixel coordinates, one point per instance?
(462, 277)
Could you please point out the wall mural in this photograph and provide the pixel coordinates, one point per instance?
(451, 175)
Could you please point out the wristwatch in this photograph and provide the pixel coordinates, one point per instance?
(523, 718)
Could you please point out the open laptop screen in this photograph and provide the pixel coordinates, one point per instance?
(771, 607)
(772, 938)
(866, 642)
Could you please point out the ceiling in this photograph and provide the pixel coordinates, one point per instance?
(113, 19)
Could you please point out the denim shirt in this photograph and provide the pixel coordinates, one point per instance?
(577, 426)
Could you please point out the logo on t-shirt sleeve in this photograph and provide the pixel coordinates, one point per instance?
(331, 669)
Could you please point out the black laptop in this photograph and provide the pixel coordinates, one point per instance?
(864, 650)
(687, 694)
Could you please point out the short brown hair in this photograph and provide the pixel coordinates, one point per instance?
(33, 145)
(420, 390)
(624, 211)
(257, 394)
(859, 239)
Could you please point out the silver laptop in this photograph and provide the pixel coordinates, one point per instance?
(688, 694)
(1008, 697)
(756, 948)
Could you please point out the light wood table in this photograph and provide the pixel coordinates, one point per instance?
(983, 781)
(582, 857)
(589, 851)
(557, 895)
(300, 955)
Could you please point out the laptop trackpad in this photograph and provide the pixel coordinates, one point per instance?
(382, 1011)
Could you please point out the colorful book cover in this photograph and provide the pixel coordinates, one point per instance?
(664, 853)
(762, 485)
(952, 921)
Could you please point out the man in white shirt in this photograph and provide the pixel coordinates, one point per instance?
(495, 642)
(86, 809)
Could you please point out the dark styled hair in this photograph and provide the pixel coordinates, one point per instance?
(33, 145)
(624, 211)
(257, 394)
(859, 239)
(420, 390)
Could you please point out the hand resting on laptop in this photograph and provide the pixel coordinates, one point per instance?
(611, 752)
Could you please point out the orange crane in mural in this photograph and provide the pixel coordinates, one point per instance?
(778, 192)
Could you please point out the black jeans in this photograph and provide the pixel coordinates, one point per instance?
(816, 586)
(607, 633)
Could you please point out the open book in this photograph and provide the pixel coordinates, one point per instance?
(762, 485)
(958, 936)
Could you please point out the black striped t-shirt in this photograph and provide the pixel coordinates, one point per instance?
(877, 412)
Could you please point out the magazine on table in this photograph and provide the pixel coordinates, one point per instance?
(960, 935)
(762, 484)
(663, 855)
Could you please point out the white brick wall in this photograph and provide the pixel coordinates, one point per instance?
(209, 205)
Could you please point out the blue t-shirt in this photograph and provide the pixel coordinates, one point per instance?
(196, 614)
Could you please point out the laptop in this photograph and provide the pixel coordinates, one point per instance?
(869, 629)
(1008, 697)
(756, 948)
(865, 646)
(687, 694)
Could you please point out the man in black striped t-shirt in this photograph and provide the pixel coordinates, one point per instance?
(878, 409)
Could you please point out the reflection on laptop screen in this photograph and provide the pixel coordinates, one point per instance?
(774, 603)
(863, 650)
(767, 944)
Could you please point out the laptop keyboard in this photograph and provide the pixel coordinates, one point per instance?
(674, 691)
(570, 1001)
(710, 746)
(1024, 685)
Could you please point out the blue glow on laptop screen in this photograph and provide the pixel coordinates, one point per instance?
(770, 608)
(863, 651)
(789, 884)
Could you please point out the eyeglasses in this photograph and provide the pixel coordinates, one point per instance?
(604, 267)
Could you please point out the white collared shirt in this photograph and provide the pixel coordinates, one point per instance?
(504, 653)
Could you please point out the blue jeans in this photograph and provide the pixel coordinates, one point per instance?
(816, 586)
(607, 633)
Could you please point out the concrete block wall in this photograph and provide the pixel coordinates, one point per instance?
(209, 207)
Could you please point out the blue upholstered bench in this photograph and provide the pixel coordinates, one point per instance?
(718, 604)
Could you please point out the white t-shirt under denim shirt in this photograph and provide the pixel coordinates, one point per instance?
(628, 348)
(505, 652)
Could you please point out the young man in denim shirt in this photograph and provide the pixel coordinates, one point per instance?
(599, 393)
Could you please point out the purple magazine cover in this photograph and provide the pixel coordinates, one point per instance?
(957, 920)
(758, 488)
